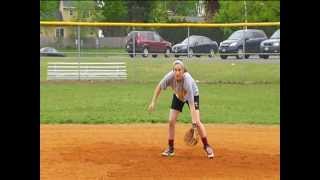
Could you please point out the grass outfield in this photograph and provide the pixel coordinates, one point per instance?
(127, 103)
(202, 69)
(226, 94)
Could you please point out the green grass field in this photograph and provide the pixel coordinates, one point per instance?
(240, 93)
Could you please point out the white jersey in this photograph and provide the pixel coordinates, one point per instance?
(186, 85)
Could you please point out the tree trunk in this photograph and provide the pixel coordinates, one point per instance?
(212, 7)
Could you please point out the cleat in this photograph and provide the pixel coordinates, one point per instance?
(209, 151)
(169, 152)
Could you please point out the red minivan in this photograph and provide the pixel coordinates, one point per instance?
(147, 42)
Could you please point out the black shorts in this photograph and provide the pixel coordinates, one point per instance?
(177, 104)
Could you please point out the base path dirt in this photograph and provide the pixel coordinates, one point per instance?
(132, 151)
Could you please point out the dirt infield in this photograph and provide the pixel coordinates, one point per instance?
(133, 152)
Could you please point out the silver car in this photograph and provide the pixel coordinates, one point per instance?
(49, 51)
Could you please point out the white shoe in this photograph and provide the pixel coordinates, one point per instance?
(168, 152)
(209, 151)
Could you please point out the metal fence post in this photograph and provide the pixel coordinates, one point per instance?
(188, 41)
(79, 44)
(245, 29)
(134, 43)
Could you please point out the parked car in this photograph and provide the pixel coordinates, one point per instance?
(271, 45)
(49, 51)
(250, 38)
(147, 42)
(197, 46)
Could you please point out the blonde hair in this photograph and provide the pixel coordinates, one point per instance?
(178, 61)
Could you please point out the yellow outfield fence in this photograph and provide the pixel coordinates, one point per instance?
(130, 24)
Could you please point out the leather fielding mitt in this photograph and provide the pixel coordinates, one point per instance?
(191, 137)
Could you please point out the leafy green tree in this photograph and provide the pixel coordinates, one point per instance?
(85, 10)
(211, 8)
(49, 10)
(159, 12)
(257, 11)
(139, 10)
(115, 11)
(265, 11)
(182, 8)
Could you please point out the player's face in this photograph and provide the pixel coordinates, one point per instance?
(178, 72)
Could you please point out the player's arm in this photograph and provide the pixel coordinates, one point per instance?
(190, 94)
(193, 113)
(155, 96)
(163, 84)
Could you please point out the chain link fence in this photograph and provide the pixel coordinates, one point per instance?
(224, 41)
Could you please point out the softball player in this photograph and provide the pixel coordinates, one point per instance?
(185, 91)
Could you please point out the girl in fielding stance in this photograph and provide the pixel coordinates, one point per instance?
(185, 91)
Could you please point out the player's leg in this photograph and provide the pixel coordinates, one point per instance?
(203, 134)
(176, 108)
(173, 115)
(200, 126)
(202, 130)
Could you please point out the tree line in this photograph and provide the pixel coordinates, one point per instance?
(161, 11)
(169, 11)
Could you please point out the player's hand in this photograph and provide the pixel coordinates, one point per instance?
(151, 107)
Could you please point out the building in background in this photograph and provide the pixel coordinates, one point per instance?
(66, 37)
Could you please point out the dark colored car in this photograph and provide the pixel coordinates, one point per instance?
(198, 45)
(147, 42)
(248, 40)
(49, 51)
(271, 45)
